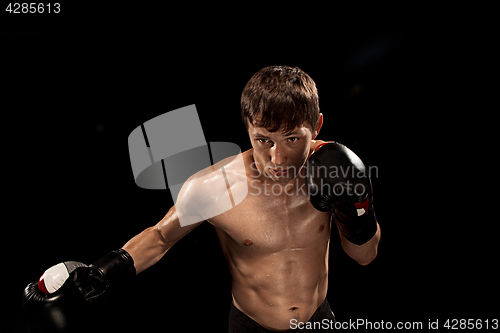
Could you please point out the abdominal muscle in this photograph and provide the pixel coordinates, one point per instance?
(276, 288)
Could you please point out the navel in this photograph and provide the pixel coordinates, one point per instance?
(321, 228)
(247, 242)
(293, 308)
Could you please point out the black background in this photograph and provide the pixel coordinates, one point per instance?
(390, 86)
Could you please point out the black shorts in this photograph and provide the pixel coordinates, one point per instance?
(322, 321)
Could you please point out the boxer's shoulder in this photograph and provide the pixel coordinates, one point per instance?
(315, 144)
(214, 189)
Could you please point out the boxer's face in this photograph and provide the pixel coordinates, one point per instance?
(279, 156)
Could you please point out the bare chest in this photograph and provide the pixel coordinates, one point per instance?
(265, 224)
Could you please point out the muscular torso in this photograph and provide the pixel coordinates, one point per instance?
(276, 245)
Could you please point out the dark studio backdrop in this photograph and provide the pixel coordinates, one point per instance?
(74, 89)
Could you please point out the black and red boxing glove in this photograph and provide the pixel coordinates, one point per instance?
(337, 180)
(54, 302)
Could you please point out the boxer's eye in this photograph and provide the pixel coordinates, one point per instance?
(293, 139)
(263, 140)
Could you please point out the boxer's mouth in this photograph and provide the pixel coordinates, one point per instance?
(279, 172)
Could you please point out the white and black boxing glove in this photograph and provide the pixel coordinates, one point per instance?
(54, 302)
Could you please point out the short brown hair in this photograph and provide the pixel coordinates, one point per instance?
(280, 97)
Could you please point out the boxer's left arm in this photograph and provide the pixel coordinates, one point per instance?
(362, 254)
(337, 181)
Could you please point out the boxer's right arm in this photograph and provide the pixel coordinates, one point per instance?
(64, 288)
(150, 245)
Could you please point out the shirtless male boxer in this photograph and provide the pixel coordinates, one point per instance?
(276, 240)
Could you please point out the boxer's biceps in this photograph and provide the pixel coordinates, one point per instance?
(170, 229)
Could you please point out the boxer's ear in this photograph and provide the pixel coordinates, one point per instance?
(318, 126)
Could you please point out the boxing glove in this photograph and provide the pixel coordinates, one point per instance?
(337, 180)
(57, 301)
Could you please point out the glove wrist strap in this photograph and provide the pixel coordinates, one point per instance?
(116, 265)
(360, 229)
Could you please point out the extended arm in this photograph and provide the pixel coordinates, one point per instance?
(151, 245)
(66, 286)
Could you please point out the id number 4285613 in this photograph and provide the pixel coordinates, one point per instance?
(461, 324)
(33, 8)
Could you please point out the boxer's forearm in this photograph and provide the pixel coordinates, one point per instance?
(362, 254)
(150, 245)
(147, 248)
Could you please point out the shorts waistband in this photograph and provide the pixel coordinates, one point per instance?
(240, 322)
